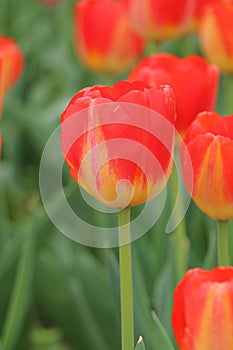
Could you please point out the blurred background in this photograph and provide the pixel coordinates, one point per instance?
(56, 294)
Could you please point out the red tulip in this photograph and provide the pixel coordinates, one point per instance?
(104, 40)
(209, 144)
(202, 316)
(116, 146)
(192, 79)
(159, 20)
(216, 36)
(11, 65)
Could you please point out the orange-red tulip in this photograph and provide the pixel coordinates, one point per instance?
(104, 40)
(202, 316)
(209, 144)
(11, 65)
(216, 37)
(115, 146)
(192, 79)
(159, 20)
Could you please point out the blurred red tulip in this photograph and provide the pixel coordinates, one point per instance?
(202, 316)
(11, 65)
(216, 37)
(192, 79)
(104, 40)
(159, 20)
(209, 144)
(118, 144)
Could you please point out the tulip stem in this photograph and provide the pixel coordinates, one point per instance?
(223, 244)
(227, 88)
(180, 238)
(126, 283)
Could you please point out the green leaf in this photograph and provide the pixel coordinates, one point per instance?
(20, 297)
(149, 326)
(162, 336)
(9, 254)
(162, 296)
(140, 344)
(79, 280)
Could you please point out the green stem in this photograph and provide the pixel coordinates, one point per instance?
(126, 283)
(223, 244)
(227, 94)
(180, 238)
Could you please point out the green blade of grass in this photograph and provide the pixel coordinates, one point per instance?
(20, 297)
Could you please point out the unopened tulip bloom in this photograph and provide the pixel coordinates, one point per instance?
(202, 316)
(104, 40)
(209, 144)
(159, 20)
(193, 80)
(216, 37)
(109, 140)
(11, 65)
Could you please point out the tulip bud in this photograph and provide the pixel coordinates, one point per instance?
(216, 37)
(159, 20)
(118, 141)
(11, 65)
(202, 316)
(209, 144)
(104, 40)
(192, 79)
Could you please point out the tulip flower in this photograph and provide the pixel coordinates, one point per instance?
(216, 37)
(104, 40)
(192, 79)
(11, 65)
(209, 144)
(112, 145)
(202, 316)
(159, 20)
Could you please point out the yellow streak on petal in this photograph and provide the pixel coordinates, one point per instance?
(209, 190)
(92, 160)
(205, 327)
(216, 326)
(122, 191)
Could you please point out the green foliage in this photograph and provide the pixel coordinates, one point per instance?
(140, 344)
